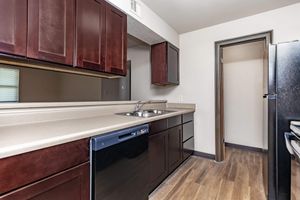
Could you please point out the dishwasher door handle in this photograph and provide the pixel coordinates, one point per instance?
(126, 136)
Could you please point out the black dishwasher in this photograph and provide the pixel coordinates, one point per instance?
(120, 165)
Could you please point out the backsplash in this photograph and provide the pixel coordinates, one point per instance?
(35, 85)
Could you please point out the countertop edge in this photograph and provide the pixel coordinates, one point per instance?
(45, 143)
(13, 106)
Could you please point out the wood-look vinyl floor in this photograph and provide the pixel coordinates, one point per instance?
(295, 181)
(239, 177)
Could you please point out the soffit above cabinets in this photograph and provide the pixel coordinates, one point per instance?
(140, 31)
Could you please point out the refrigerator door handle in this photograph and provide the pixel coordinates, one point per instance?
(270, 96)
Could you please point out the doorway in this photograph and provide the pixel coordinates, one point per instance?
(243, 86)
(266, 38)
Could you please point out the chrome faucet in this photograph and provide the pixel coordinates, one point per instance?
(140, 104)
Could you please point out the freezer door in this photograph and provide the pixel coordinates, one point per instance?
(270, 126)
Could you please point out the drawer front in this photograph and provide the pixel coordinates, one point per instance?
(174, 121)
(188, 148)
(188, 130)
(27, 168)
(71, 184)
(158, 126)
(187, 117)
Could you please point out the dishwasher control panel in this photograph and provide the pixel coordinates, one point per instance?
(109, 139)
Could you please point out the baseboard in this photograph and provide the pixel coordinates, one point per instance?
(243, 147)
(204, 155)
(265, 151)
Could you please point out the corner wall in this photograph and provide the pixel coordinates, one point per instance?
(198, 62)
(197, 66)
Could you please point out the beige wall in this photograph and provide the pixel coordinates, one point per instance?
(243, 94)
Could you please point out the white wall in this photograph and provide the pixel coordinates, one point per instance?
(150, 19)
(197, 66)
(141, 87)
(243, 68)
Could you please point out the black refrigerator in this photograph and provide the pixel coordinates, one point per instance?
(283, 101)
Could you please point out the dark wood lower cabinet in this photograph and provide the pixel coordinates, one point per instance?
(171, 141)
(59, 172)
(158, 158)
(174, 147)
(72, 184)
(165, 154)
(36, 165)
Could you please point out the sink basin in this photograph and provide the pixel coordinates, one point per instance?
(146, 113)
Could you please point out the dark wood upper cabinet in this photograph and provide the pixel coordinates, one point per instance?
(51, 28)
(89, 34)
(13, 26)
(173, 64)
(90, 30)
(116, 41)
(101, 42)
(165, 64)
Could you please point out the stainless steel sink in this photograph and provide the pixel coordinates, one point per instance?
(146, 113)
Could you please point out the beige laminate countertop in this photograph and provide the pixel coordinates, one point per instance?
(24, 138)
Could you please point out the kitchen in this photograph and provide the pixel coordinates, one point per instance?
(96, 93)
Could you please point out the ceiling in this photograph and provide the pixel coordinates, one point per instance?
(189, 15)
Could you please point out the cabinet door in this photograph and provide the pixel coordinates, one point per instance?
(173, 64)
(72, 184)
(158, 153)
(51, 30)
(90, 39)
(13, 26)
(165, 64)
(116, 37)
(159, 64)
(174, 147)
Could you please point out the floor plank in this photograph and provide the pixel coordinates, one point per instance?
(239, 177)
(295, 180)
